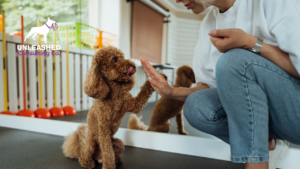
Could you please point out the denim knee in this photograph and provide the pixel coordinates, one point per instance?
(229, 63)
(189, 109)
(200, 111)
(193, 112)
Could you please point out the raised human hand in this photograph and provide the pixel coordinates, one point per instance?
(157, 80)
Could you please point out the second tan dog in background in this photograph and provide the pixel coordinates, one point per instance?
(166, 108)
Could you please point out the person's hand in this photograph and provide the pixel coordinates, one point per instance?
(158, 82)
(227, 39)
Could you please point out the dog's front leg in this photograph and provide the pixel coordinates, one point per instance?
(86, 154)
(136, 104)
(85, 159)
(179, 121)
(106, 146)
(29, 34)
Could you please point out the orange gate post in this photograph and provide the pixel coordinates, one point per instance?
(41, 112)
(25, 112)
(69, 110)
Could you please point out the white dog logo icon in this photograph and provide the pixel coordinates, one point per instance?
(43, 30)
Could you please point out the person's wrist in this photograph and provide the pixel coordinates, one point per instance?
(250, 41)
(171, 93)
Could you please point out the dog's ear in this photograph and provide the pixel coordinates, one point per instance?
(192, 76)
(181, 76)
(94, 85)
(48, 19)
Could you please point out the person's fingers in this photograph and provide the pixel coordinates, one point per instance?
(221, 44)
(150, 69)
(153, 81)
(214, 41)
(146, 72)
(146, 65)
(151, 76)
(160, 87)
(156, 77)
(158, 80)
(220, 33)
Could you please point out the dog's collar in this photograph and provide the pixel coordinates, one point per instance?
(47, 25)
(52, 26)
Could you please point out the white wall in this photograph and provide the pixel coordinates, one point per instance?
(105, 16)
(125, 28)
(110, 16)
(182, 39)
(93, 13)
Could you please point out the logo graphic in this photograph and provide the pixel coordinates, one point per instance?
(43, 30)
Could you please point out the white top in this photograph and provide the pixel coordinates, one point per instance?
(277, 22)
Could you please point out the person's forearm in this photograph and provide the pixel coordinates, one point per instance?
(180, 93)
(277, 56)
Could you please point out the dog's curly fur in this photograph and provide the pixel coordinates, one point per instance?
(166, 108)
(76, 140)
(108, 81)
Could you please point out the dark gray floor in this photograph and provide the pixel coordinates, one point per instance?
(28, 150)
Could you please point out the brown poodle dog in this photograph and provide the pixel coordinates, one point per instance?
(166, 108)
(108, 81)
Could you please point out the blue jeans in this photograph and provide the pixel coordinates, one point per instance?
(254, 99)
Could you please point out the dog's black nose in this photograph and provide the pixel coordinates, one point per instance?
(133, 66)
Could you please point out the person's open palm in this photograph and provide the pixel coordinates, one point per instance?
(158, 82)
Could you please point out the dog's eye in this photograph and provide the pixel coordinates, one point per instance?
(115, 60)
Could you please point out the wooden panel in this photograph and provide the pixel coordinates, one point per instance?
(12, 78)
(147, 31)
(49, 67)
(21, 81)
(77, 82)
(1, 80)
(64, 78)
(71, 78)
(32, 82)
(58, 80)
(43, 80)
(90, 99)
(84, 65)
